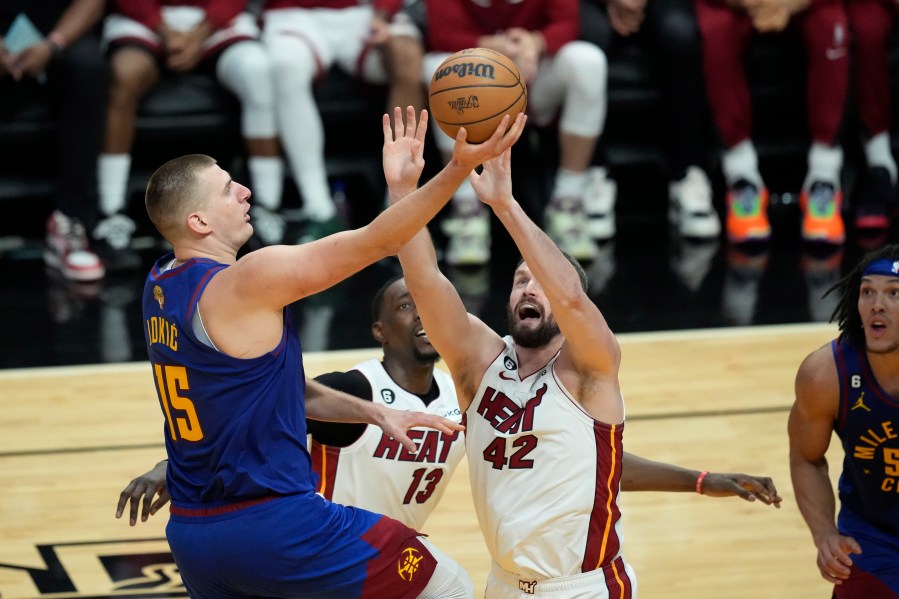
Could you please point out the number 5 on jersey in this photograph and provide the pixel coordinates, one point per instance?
(180, 413)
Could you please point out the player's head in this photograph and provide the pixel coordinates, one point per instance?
(193, 195)
(530, 317)
(397, 326)
(860, 313)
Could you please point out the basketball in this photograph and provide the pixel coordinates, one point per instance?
(475, 89)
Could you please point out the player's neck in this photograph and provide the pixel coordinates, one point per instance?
(416, 378)
(531, 359)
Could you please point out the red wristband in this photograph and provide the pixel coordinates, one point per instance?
(699, 480)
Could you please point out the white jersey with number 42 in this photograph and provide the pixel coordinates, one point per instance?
(544, 474)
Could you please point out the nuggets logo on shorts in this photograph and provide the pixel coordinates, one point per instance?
(409, 563)
(157, 295)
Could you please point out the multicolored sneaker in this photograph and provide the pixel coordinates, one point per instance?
(822, 220)
(468, 238)
(747, 213)
(67, 249)
(566, 224)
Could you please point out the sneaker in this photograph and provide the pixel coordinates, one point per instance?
(566, 224)
(268, 225)
(112, 237)
(747, 213)
(822, 220)
(67, 249)
(599, 203)
(690, 207)
(319, 229)
(468, 238)
(873, 200)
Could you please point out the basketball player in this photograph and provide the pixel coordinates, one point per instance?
(213, 37)
(851, 386)
(245, 517)
(358, 465)
(543, 408)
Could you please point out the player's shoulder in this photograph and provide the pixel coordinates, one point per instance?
(817, 374)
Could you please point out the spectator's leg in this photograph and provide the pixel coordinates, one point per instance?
(302, 132)
(245, 69)
(674, 37)
(134, 73)
(825, 33)
(871, 23)
(79, 85)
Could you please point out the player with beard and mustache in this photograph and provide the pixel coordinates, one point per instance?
(544, 411)
(851, 387)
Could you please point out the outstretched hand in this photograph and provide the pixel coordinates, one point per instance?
(493, 185)
(145, 487)
(748, 487)
(470, 156)
(403, 153)
(396, 423)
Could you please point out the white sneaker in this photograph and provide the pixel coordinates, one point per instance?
(67, 249)
(599, 203)
(116, 230)
(268, 225)
(690, 206)
(469, 239)
(566, 224)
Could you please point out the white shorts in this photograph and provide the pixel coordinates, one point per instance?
(334, 35)
(614, 581)
(118, 28)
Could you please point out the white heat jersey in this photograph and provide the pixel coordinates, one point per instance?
(544, 474)
(379, 474)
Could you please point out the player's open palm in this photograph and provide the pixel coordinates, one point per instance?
(403, 152)
(396, 423)
(493, 184)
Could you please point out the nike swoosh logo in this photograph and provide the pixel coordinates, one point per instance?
(502, 375)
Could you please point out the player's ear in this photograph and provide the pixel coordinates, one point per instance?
(196, 222)
(377, 331)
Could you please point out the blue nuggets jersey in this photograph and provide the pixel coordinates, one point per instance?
(234, 429)
(868, 426)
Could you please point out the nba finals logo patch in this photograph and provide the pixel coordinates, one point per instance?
(409, 563)
(460, 105)
(157, 295)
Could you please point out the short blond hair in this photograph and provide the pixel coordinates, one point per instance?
(173, 192)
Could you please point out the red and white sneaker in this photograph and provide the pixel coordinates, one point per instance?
(67, 249)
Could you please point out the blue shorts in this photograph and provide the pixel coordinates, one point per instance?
(874, 572)
(296, 546)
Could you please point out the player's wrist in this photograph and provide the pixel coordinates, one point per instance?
(700, 479)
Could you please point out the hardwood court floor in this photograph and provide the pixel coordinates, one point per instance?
(72, 437)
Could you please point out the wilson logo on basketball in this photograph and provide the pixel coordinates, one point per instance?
(466, 69)
(409, 563)
(460, 105)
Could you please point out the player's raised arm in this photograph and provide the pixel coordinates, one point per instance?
(465, 343)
